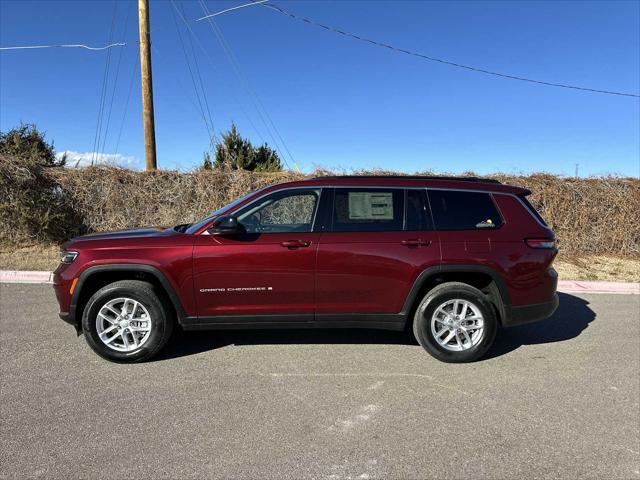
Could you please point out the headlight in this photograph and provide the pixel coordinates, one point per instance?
(68, 256)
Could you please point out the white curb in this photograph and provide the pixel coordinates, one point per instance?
(567, 286)
(19, 276)
(577, 286)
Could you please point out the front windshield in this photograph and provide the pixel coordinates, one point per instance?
(194, 227)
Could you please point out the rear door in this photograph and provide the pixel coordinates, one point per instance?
(267, 272)
(376, 242)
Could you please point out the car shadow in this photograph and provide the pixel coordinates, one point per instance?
(570, 319)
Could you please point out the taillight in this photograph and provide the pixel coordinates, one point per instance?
(541, 243)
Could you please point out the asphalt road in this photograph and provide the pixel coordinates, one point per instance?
(559, 399)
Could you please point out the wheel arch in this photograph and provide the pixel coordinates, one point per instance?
(97, 276)
(486, 279)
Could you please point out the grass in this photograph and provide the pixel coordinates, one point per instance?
(605, 268)
(28, 257)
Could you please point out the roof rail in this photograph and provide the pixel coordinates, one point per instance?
(414, 177)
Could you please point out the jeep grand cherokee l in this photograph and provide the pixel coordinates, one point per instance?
(452, 259)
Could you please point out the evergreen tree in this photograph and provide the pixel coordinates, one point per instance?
(240, 154)
(27, 143)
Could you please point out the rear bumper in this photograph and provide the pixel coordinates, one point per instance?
(523, 314)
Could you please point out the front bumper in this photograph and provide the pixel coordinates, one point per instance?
(67, 317)
(523, 314)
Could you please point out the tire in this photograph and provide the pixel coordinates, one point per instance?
(150, 328)
(460, 348)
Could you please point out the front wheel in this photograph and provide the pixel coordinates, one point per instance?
(455, 323)
(126, 321)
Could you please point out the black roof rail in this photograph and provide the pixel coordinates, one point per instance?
(413, 177)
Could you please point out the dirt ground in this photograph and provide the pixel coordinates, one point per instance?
(605, 268)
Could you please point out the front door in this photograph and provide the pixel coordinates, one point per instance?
(267, 273)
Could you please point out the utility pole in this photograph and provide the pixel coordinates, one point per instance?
(147, 85)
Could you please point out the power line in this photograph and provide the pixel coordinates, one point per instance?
(87, 47)
(193, 81)
(126, 103)
(438, 60)
(253, 97)
(103, 93)
(232, 9)
(204, 92)
(213, 65)
(115, 83)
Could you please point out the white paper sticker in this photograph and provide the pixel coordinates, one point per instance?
(370, 206)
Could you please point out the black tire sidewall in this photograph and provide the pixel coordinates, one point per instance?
(144, 296)
(422, 322)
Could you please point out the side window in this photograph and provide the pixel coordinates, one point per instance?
(281, 212)
(418, 215)
(368, 210)
(458, 210)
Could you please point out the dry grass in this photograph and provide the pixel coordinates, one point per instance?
(595, 216)
(604, 268)
(40, 257)
(590, 216)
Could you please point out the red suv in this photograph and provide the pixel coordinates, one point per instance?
(451, 258)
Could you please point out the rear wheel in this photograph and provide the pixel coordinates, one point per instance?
(455, 323)
(126, 321)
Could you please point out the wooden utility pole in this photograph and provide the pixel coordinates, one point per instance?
(147, 85)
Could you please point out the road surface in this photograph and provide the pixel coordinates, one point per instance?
(559, 399)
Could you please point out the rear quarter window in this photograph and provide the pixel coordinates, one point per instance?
(532, 209)
(460, 210)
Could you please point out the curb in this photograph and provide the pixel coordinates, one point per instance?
(567, 286)
(577, 286)
(20, 276)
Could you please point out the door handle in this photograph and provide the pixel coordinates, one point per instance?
(416, 242)
(295, 243)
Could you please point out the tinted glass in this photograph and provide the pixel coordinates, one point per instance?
(455, 210)
(282, 212)
(368, 210)
(418, 216)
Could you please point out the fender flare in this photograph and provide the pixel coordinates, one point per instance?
(125, 267)
(430, 272)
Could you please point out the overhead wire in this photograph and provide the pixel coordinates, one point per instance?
(435, 59)
(191, 75)
(97, 136)
(126, 104)
(87, 47)
(115, 83)
(226, 10)
(213, 65)
(253, 97)
(204, 92)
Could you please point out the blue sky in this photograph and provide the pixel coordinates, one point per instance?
(337, 102)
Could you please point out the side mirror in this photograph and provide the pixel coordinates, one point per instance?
(226, 225)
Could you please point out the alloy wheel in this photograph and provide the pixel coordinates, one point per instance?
(457, 325)
(123, 324)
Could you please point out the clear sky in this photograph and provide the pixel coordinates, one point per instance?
(338, 102)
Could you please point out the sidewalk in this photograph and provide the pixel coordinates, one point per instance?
(567, 286)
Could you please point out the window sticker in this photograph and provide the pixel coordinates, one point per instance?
(370, 206)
